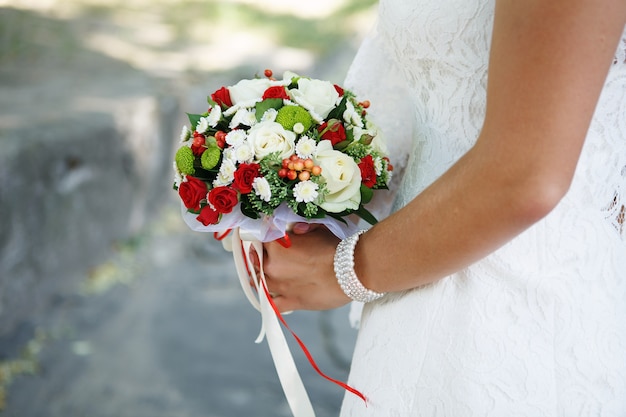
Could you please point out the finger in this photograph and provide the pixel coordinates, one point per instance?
(254, 258)
(302, 228)
(284, 304)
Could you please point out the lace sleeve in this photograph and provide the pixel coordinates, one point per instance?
(373, 76)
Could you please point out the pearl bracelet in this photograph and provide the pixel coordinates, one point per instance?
(344, 271)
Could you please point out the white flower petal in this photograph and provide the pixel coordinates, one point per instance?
(262, 188)
(305, 191)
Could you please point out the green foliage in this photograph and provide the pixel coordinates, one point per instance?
(194, 119)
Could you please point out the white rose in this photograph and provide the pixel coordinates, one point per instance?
(342, 176)
(317, 96)
(268, 137)
(246, 90)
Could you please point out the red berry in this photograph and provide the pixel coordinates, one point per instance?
(220, 143)
(219, 135)
(268, 73)
(316, 170)
(282, 173)
(308, 164)
(198, 140)
(292, 175)
(298, 165)
(285, 163)
(304, 175)
(293, 157)
(365, 104)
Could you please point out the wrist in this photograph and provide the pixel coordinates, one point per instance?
(345, 274)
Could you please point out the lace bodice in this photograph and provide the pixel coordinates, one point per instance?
(442, 80)
(536, 328)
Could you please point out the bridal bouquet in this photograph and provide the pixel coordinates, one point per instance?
(270, 152)
(265, 154)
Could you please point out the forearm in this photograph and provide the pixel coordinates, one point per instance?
(547, 66)
(469, 212)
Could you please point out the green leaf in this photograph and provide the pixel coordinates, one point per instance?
(337, 112)
(210, 101)
(268, 103)
(248, 211)
(194, 119)
(366, 194)
(338, 217)
(342, 145)
(366, 215)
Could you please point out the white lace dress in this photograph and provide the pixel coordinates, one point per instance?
(536, 329)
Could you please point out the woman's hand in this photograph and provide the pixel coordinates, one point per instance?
(302, 276)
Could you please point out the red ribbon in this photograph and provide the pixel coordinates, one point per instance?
(218, 236)
(306, 351)
(295, 336)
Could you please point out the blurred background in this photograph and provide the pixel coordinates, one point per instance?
(109, 305)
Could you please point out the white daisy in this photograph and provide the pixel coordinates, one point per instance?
(243, 153)
(269, 115)
(378, 166)
(185, 134)
(229, 155)
(305, 191)
(243, 117)
(226, 174)
(203, 125)
(236, 137)
(305, 147)
(214, 116)
(247, 104)
(178, 176)
(262, 188)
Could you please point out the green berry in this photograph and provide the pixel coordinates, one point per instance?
(210, 157)
(288, 116)
(184, 160)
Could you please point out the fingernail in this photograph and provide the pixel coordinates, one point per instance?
(300, 227)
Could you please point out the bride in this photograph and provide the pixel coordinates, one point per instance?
(497, 286)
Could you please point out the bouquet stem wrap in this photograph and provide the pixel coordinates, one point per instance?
(271, 319)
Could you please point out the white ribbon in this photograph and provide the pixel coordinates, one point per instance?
(294, 390)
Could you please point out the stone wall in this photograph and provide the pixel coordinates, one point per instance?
(88, 171)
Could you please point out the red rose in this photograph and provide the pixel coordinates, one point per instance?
(368, 172)
(339, 90)
(208, 216)
(222, 97)
(277, 91)
(244, 176)
(334, 132)
(223, 199)
(192, 192)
